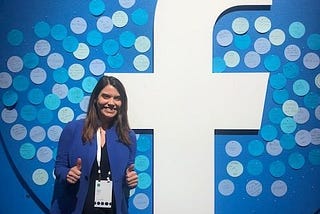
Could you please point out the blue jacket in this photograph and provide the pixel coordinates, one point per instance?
(70, 198)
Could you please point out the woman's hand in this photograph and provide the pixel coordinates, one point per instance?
(74, 173)
(131, 176)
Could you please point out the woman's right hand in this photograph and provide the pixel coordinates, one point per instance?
(75, 172)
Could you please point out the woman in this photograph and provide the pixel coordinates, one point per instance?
(94, 165)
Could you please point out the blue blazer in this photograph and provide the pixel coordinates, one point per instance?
(70, 198)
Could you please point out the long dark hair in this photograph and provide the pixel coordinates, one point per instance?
(93, 122)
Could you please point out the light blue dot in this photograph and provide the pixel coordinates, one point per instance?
(115, 61)
(127, 39)
(9, 98)
(297, 30)
(242, 42)
(140, 17)
(278, 81)
(277, 169)
(144, 142)
(287, 141)
(21, 83)
(288, 125)
(35, 96)
(141, 162)
(75, 95)
(290, 70)
(27, 151)
(60, 75)
(96, 7)
(88, 84)
(110, 47)
(311, 100)
(70, 43)
(44, 116)
(276, 115)
(296, 160)
(255, 147)
(42, 29)
(314, 157)
(15, 37)
(144, 180)
(268, 132)
(94, 38)
(314, 42)
(30, 60)
(59, 32)
(280, 96)
(254, 167)
(272, 63)
(219, 65)
(301, 87)
(28, 112)
(52, 101)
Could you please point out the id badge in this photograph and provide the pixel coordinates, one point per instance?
(103, 194)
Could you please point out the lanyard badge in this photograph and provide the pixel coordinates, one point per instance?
(103, 188)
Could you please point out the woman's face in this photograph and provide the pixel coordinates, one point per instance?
(109, 103)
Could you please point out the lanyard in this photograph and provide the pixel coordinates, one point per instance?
(99, 151)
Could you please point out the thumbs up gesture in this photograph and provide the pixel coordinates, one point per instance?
(74, 173)
(131, 176)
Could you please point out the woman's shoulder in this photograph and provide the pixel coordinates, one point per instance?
(74, 124)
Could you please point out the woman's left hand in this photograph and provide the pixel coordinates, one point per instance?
(131, 176)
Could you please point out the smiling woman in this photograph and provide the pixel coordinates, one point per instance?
(95, 158)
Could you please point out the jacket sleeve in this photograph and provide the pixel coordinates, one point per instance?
(62, 166)
(133, 147)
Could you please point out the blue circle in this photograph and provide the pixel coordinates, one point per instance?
(256, 147)
(88, 84)
(96, 7)
(30, 60)
(219, 65)
(296, 160)
(110, 47)
(255, 167)
(15, 37)
(28, 112)
(35, 96)
(60, 75)
(94, 38)
(314, 42)
(140, 17)
(288, 125)
(27, 151)
(278, 81)
(75, 95)
(277, 169)
(59, 32)
(42, 29)
(21, 83)
(144, 142)
(268, 132)
(144, 180)
(115, 61)
(272, 62)
(280, 96)
(70, 43)
(297, 30)
(52, 101)
(44, 116)
(276, 115)
(127, 39)
(287, 141)
(314, 157)
(290, 70)
(311, 100)
(301, 87)
(141, 163)
(242, 42)
(9, 98)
